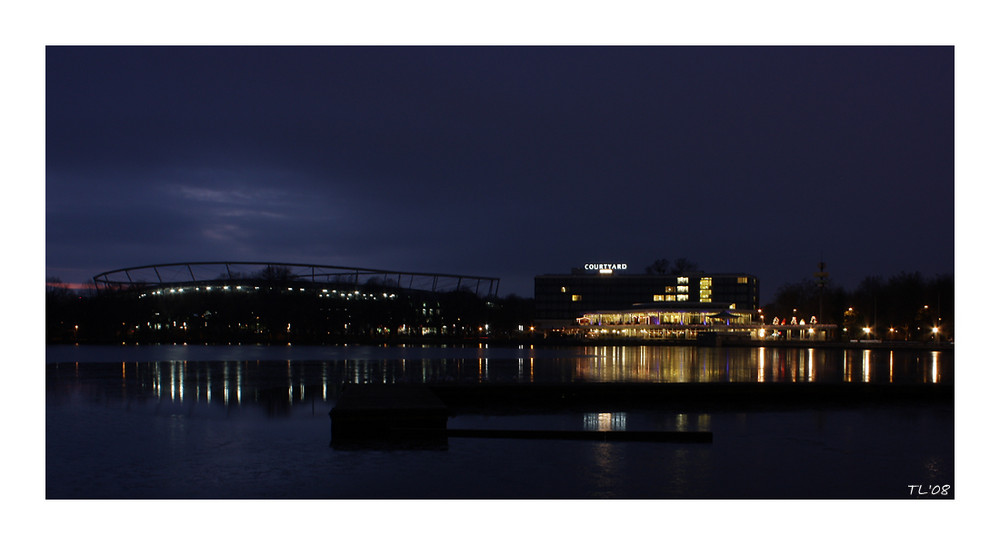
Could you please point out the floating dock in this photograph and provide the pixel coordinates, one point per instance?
(364, 408)
(413, 416)
(590, 435)
(395, 416)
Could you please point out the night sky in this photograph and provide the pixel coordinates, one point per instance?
(503, 161)
(506, 162)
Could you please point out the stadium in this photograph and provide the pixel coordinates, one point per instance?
(240, 301)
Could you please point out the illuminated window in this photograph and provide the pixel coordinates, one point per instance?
(576, 297)
(671, 297)
(682, 297)
(741, 280)
(657, 297)
(669, 289)
(682, 280)
(682, 289)
(705, 292)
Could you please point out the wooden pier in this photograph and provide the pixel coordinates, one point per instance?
(412, 416)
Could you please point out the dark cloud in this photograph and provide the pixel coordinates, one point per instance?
(510, 161)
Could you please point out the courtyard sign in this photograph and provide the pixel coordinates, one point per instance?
(605, 268)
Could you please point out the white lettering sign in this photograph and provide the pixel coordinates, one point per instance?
(605, 267)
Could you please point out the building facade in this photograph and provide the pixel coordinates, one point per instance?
(269, 302)
(606, 301)
(562, 298)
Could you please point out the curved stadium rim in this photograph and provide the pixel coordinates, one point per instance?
(183, 273)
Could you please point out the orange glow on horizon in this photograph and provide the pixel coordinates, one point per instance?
(69, 285)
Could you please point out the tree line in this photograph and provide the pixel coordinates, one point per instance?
(267, 312)
(907, 306)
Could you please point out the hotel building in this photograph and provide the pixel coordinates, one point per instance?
(606, 301)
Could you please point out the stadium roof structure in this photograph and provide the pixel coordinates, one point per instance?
(197, 273)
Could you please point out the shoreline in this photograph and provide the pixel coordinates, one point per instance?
(518, 342)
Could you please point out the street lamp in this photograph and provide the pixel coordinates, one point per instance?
(935, 330)
(867, 331)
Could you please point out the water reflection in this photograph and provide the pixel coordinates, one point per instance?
(700, 364)
(284, 383)
(696, 422)
(605, 421)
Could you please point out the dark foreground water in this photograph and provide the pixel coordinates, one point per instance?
(252, 422)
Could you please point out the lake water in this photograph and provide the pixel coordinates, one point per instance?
(252, 422)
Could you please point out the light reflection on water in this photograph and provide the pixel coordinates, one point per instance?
(605, 421)
(291, 381)
(699, 364)
(258, 427)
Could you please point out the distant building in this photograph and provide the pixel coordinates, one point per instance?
(605, 300)
(284, 302)
(562, 298)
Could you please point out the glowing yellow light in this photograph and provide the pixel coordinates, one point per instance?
(604, 422)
